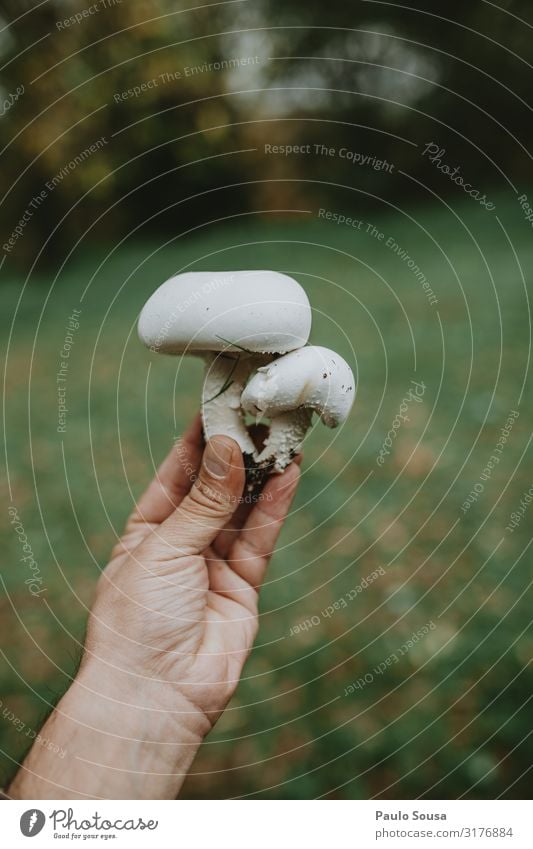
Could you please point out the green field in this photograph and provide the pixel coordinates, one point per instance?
(450, 716)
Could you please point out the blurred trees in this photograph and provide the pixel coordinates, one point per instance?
(76, 80)
(380, 78)
(454, 73)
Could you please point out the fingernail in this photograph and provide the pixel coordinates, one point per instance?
(217, 458)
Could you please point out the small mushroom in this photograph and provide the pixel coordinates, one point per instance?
(288, 391)
(237, 322)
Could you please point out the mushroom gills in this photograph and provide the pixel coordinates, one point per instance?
(286, 435)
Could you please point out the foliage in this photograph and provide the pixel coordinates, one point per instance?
(378, 78)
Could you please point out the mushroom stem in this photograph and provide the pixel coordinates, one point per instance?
(225, 378)
(287, 432)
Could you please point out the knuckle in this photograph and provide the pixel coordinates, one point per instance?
(105, 584)
(252, 551)
(209, 500)
(254, 630)
(118, 549)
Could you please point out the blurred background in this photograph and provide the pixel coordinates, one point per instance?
(380, 154)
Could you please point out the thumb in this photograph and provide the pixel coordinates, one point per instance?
(211, 502)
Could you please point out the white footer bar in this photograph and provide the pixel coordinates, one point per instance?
(268, 824)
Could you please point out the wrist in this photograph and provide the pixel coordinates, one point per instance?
(125, 699)
(123, 736)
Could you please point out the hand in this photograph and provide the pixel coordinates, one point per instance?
(173, 622)
(177, 604)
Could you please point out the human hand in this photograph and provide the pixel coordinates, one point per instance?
(177, 604)
(174, 620)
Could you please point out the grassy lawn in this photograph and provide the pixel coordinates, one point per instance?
(448, 716)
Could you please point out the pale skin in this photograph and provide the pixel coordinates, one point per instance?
(173, 622)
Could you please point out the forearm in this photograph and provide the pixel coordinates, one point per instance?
(122, 740)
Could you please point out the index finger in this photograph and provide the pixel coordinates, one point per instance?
(172, 481)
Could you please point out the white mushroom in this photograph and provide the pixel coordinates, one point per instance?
(288, 391)
(236, 321)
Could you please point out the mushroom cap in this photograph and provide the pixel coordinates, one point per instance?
(313, 377)
(261, 311)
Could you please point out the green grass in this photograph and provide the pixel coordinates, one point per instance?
(451, 717)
